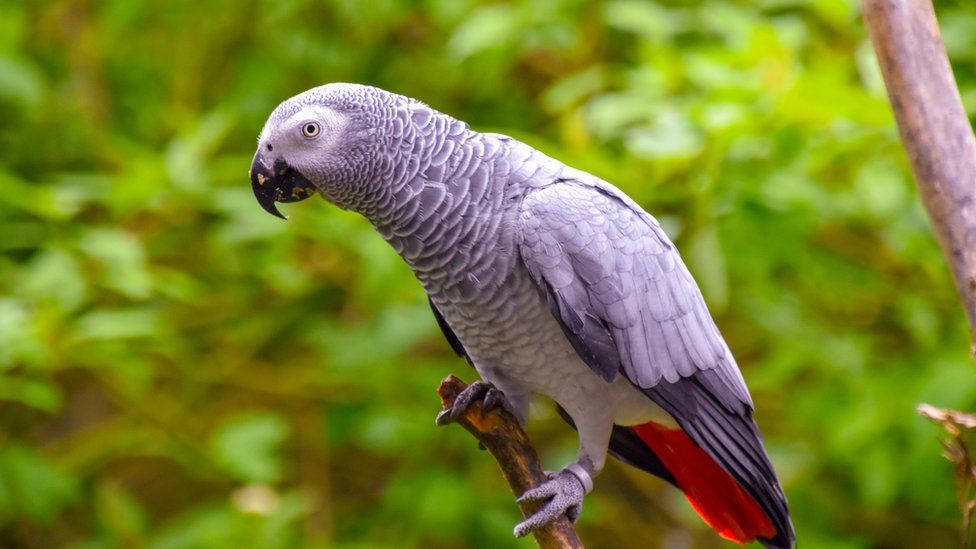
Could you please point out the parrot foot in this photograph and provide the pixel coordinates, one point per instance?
(564, 490)
(491, 399)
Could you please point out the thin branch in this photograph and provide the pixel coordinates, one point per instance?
(957, 451)
(499, 432)
(934, 129)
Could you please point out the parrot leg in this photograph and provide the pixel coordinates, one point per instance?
(492, 399)
(564, 491)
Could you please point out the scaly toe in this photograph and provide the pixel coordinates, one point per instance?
(443, 417)
(565, 494)
(495, 400)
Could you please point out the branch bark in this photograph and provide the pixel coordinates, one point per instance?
(499, 432)
(934, 129)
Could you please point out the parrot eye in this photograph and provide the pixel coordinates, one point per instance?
(310, 129)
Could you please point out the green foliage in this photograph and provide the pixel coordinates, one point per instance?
(179, 369)
(246, 447)
(31, 486)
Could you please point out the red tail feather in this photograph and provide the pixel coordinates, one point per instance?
(712, 492)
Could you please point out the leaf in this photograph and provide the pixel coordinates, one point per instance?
(120, 513)
(36, 393)
(123, 259)
(247, 447)
(572, 89)
(20, 83)
(488, 27)
(32, 486)
(20, 339)
(645, 19)
(117, 324)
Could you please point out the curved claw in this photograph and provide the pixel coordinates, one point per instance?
(565, 493)
(477, 390)
(495, 400)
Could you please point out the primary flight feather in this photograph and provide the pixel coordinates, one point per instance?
(548, 280)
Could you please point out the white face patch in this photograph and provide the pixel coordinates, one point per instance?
(330, 122)
(291, 141)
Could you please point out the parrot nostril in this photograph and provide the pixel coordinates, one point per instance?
(270, 148)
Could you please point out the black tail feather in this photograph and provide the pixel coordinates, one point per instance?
(726, 431)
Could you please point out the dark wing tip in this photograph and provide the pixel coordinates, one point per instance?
(589, 335)
(732, 439)
(449, 335)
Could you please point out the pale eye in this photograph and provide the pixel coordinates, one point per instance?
(310, 129)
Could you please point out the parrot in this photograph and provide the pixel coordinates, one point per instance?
(549, 281)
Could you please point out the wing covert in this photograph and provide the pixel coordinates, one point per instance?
(619, 288)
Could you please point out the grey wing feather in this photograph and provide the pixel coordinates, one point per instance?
(619, 287)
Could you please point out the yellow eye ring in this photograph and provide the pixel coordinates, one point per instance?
(310, 129)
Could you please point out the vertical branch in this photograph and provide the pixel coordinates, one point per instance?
(500, 433)
(934, 129)
(942, 150)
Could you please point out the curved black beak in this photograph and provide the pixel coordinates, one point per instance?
(275, 181)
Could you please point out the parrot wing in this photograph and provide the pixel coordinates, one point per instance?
(449, 335)
(628, 305)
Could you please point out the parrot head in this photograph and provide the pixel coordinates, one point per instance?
(324, 141)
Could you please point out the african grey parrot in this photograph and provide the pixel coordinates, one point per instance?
(548, 280)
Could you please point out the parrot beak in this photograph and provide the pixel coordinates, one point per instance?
(276, 181)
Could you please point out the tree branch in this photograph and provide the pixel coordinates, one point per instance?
(942, 149)
(499, 433)
(934, 129)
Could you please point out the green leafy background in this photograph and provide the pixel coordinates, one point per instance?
(179, 369)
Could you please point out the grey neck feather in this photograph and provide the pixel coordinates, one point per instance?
(441, 205)
(438, 192)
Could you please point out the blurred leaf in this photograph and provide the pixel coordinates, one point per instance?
(670, 135)
(123, 260)
(117, 324)
(35, 393)
(485, 28)
(32, 486)
(20, 82)
(20, 340)
(573, 89)
(120, 514)
(247, 447)
(54, 275)
(643, 18)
